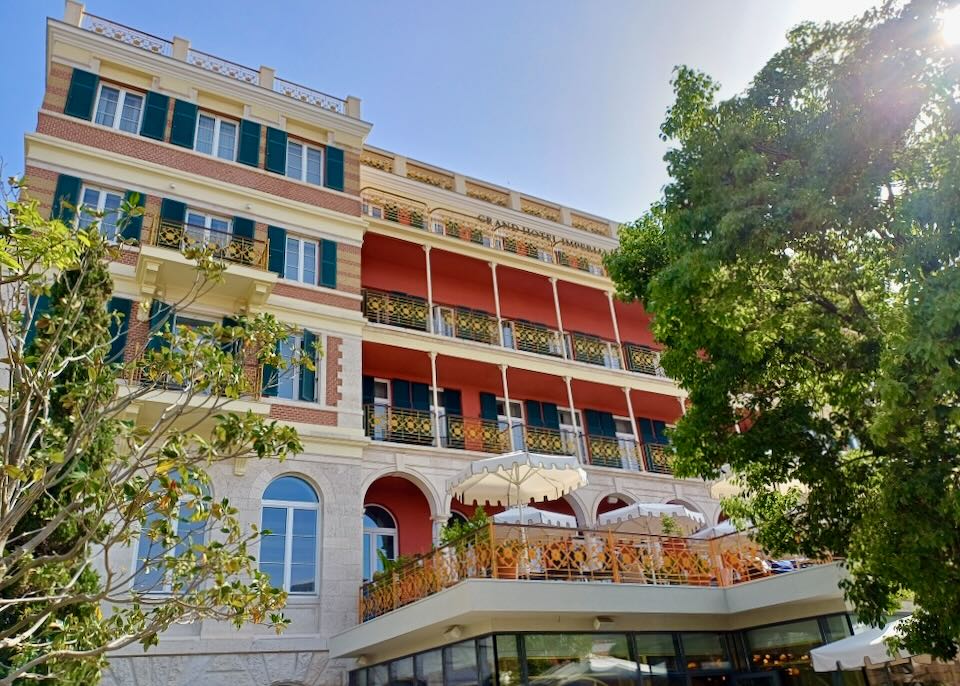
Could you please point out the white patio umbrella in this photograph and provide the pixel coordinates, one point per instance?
(724, 528)
(533, 515)
(852, 652)
(514, 479)
(647, 518)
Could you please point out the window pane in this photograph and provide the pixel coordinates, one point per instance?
(785, 648)
(580, 658)
(130, 118)
(304, 550)
(314, 162)
(508, 660)
(290, 488)
(291, 267)
(275, 520)
(227, 145)
(377, 676)
(275, 572)
(430, 668)
(90, 200)
(485, 659)
(221, 225)
(287, 377)
(309, 262)
(302, 578)
(148, 579)
(704, 651)
(402, 672)
(272, 548)
(294, 160)
(836, 627)
(205, 126)
(304, 522)
(461, 664)
(111, 215)
(107, 106)
(657, 651)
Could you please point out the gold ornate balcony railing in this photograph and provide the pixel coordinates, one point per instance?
(396, 309)
(181, 236)
(469, 325)
(393, 208)
(537, 553)
(398, 425)
(604, 451)
(593, 350)
(470, 433)
(548, 441)
(464, 228)
(640, 358)
(580, 256)
(657, 458)
(527, 242)
(532, 338)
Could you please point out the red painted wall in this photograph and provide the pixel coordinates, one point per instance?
(585, 310)
(634, 323)
(526, 296)
(392, 265)
(409, 508)
(462, 282)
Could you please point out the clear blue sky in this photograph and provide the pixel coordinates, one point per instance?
(557, 98)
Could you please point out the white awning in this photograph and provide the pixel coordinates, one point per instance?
(648, 518)
(850, 653)
(532, 515)
(517, 478)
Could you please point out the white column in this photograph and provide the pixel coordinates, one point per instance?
(506, 399)
(439, 521)
(573, 416)
(496, 301)
(683, 407)
(436, 397)
(430, 327)
(633, 427)
(613, 317)
(556, 307)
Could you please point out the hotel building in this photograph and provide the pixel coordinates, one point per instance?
(457, 319)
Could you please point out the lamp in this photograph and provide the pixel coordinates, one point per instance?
(453, 632)
(602, 623)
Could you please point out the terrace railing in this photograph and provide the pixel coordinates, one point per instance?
(640, 358)
(470, 433)
(522, 552)
(532, 338)
(657, 458)
(398, 425)
(619, 453)
(466, 324)
(396, 309)
(181, 236)
(593, 350)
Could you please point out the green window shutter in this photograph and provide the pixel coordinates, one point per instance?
(67, 193)
(333, 174)
(647, 433)
(81, 94)
(118, 329)
(594, 423)
(249, 151)
(400, 393)
(270, 378)
(453, 402)
(277, 240)
(420, 396)
(308, 378)
(276, 151)
(184, 123)
(607, 425)
(551, 418)
(155, 116)
(133, 225)
(173, 210)
(161, 319)
(660, 431)
(367, 390)
(40, 306)
(534, 413)
(328, 263)
(243, 227)
(488, 406)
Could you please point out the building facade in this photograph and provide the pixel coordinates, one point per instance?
(457, 320)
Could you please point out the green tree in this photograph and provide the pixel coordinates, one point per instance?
(802, 271)
(82, 484)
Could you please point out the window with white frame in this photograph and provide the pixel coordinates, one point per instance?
(207, 228)
(300, 262)
(304, 163)
(97, 203)
(288, 378)
(375, 211)
(187, 528)
(119, 109)
(216, 136)
(379, 539)
(288, 553)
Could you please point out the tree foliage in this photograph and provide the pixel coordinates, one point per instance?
(86, 475)
(802, 270)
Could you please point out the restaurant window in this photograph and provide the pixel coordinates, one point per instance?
(509, 670)
(378, 675)
(460, 664)
(401, 672)
(430, 668)
(580, 658)
(785, 649)
(657, 651)
(706, 651)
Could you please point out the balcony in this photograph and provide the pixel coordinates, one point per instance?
(166, 266)
(465, 324)
(399, 425)
(522, 553)
(502, 236)
(644, 360)
(593, 350)
(396, 309)
(532, 338)
(656, 458)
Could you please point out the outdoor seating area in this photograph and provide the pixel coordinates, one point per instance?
(523, 552)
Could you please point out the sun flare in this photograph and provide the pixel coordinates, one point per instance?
(951, 26)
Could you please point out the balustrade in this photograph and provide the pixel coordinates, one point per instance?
(620, 453)
(524, 552)
(657, 457)
(393, 208)
(396, 309)
(469, 325)
(470, 433)
(593, 350)
(532, 338)
(398, 425)
(640, 358)
(547, 441)
(182, 236)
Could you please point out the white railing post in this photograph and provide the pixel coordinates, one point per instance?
(181, 47)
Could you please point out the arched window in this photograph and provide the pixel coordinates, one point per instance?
(187, 528)
(456, 518)
(288, 554)
(379, 536)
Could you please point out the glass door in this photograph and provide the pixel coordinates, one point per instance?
(515, 421)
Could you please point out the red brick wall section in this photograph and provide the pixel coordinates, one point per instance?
(348, 268)
(351, 172)
(303, 415)
(134, 146)
(334, 360)
(315, 296)
(137, 334)
(40, 185)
